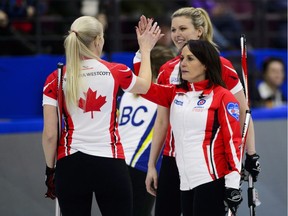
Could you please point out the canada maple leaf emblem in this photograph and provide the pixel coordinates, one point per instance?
(92, 103)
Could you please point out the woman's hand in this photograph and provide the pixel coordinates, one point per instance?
(142, 24)
(151, 181)
(149, 37)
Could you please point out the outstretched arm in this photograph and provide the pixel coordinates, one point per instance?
(142, 25)
(146, 42)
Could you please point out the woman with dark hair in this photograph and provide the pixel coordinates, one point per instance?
(204, 117)
(187, 23)
(269, 89)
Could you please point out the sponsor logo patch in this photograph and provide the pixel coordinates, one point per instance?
(200, 106)
(201, 102)
(177, 102)
(174, 80)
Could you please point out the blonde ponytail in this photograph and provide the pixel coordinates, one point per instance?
(77, 44)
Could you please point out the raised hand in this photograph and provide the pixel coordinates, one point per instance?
(149, 37)
(142, 24)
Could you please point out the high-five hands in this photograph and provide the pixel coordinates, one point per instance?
(148, 33)
(142, 24)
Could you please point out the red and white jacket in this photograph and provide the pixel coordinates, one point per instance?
(168, 74)
(92, 127)
(206, 131)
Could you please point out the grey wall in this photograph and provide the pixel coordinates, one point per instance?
(271, 141)
(22, 167)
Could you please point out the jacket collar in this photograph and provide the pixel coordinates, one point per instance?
(198, 86)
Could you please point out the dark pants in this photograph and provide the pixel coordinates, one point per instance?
(168, 199)
(79, 176)
(142, 201)
(204, 200)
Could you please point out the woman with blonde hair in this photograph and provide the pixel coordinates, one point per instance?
(90, 156)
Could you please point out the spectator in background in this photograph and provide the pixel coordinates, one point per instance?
(16, 22)
(16, 10)
(136, 120)
(269, 92)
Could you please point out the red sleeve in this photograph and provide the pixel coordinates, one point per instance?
(137, 67)
(50, 86)
(161, 78)
(160, 94)
(229, 118)
(229, 74)
(125, 76)
(166, 70)
(122, 74)
(137, 63)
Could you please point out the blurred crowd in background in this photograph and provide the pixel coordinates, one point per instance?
(29, 27)
(37, 26)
